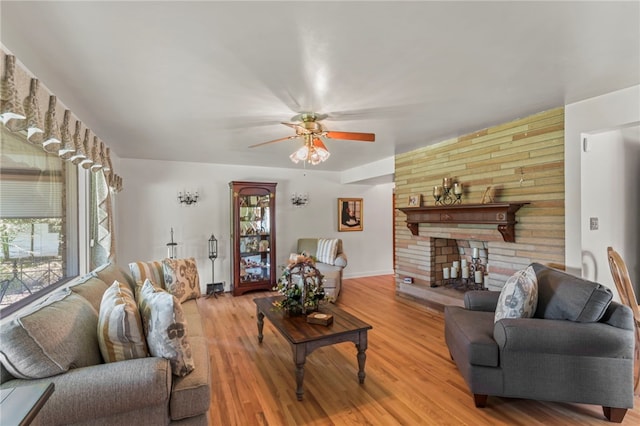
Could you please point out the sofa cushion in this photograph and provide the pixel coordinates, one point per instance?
(57, 335)
(327, 250)
(181, 278)
(165, 328)
(193, 318)
(191, 395)
(91, 288)
(519, 296)
(472, 333)
(152, 271)
(110, 272)
(566, 297)
(120, 333)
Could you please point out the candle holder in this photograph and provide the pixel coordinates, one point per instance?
(477, 271)
(448, 194)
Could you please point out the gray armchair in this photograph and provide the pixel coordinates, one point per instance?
(577, 348)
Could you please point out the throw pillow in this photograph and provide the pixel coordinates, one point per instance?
(57, 335)
(91, 288)
(110, 272)
(519, 296)
(165, 328)
(327, 250)
(181, 278)
(120, 334)
(151, 270)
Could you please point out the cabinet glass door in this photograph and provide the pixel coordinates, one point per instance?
(255, 238)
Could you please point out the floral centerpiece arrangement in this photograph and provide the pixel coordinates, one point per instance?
(301, 284)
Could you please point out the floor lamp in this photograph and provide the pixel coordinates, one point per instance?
(215, 287)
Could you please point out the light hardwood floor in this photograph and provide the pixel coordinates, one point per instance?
(410, 378)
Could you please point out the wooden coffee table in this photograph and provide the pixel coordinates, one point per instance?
(304, 338)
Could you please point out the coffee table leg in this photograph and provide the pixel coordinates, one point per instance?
(260, 317)
(299, 357)
(362, 357)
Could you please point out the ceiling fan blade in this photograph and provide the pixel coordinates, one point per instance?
(351, 136)
(273, 141)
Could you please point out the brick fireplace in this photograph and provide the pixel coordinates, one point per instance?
(446, 251)
(523, 161)
(424, 258)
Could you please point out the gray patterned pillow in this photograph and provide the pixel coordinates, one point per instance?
(165, 328)
(181, 278)
(120, 332)
(519, 296)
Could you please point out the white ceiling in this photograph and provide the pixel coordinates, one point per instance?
(201, 81)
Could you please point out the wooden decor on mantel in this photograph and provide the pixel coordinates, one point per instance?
(501, 214)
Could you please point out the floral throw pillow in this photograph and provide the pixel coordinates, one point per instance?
(519, 296)
(181, 278)
(165, 328)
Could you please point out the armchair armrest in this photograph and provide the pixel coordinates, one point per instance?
(480, 300)
(341, 260)
(563, 337)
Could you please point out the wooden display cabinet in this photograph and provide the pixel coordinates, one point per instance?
(253, 236)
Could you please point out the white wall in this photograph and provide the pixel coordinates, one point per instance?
(147, 209)
(614, 110)
(610, 182)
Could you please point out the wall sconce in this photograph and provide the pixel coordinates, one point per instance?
(299, 200)
(188, 198)
(443, 196)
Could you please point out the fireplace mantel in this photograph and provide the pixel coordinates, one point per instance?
(501, 214)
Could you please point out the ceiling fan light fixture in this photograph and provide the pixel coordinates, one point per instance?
(320, 149)
(300, 154)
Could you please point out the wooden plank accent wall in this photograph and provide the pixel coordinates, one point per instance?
(523, 160)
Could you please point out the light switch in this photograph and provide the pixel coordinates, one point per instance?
(593, 223)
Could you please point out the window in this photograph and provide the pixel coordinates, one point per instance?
(38, 221)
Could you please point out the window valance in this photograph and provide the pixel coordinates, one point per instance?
(28, 106)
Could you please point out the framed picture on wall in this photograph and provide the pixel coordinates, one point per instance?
(414, 200)
(350, 214)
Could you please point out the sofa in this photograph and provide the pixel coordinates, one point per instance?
(576, 347)
(330, 262)
(64, 349)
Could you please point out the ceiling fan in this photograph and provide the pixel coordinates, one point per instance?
(308, 127)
